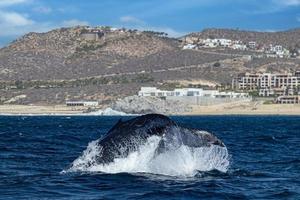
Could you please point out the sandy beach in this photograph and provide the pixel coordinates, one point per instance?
(251, 108)
(40, 110)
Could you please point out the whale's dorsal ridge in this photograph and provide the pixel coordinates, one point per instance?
(117, 125)
(150, 120)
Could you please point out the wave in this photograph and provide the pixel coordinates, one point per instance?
(183, 161)
(109, 112)
(105, 112)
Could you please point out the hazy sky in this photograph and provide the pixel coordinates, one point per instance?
(175, 17)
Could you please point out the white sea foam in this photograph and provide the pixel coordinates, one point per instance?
(105, 112)
(108, 112)
(183, 161)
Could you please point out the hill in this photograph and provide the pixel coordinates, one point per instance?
(105, 64)
(68, 53)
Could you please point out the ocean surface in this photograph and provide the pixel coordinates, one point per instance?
(36, 153)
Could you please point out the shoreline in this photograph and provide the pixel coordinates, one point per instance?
(18, 110)
(222, 109)
(250, 108)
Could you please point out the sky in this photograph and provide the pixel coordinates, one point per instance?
(175, 17)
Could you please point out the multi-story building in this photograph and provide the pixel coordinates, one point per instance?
(268, 84)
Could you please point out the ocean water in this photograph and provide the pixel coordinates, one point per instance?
(37, 155)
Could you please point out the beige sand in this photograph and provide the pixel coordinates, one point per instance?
(246, 108)
(40, 110)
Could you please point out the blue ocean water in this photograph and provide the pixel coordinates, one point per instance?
(264, 163)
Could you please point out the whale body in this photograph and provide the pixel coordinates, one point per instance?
(127, 137)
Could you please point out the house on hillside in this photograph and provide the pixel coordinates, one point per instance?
(224, 42)
(91, 34)
(239, 47)
(252, 45)
(189, 46)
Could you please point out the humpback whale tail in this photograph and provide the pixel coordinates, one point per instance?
(154, 144)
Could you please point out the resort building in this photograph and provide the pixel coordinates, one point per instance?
(186, 92)
(268, 84)
(195, 96)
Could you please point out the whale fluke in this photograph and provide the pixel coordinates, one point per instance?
(128, 136)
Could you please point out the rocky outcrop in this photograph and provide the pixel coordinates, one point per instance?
(145, 105)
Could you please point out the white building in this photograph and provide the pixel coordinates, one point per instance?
(224, 42)
(113, 29)
(239, 47)
(154, 92)
(196, 92)
(252, 45)
(277, 51)
(189, 46)
(276, 48)
(210, 43)
(217, 42)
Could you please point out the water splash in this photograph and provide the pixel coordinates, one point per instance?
(183, 161)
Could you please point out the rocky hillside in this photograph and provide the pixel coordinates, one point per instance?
(288, 39)
(106, 64)
(144, 105)
(68, 53)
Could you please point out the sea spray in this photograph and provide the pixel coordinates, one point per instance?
(182, 161)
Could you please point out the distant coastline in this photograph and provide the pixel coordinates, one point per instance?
(223, 109)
